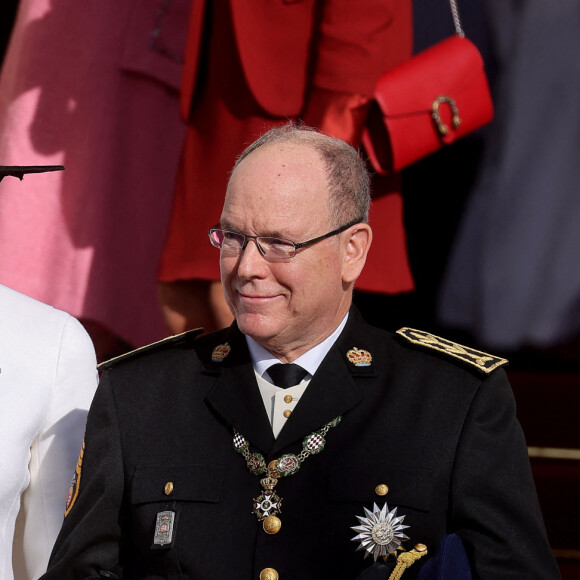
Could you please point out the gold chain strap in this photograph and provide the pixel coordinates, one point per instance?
(456, 20)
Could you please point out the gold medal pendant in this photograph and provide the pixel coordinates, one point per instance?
(268, 503)
(272, 525)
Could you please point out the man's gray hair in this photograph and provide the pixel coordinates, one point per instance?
(348, 177)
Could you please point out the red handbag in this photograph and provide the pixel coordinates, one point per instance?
(427, 102)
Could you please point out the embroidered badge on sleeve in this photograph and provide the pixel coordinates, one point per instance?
(73, 491)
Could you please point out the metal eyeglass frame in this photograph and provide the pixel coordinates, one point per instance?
(297, 246)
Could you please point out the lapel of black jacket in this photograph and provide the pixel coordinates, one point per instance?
(336, 388)
(235, 395)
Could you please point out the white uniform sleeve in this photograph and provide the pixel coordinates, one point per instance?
(54, 452)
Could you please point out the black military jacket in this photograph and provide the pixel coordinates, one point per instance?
(441, 434)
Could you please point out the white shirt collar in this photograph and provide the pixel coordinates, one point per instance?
(310, 360)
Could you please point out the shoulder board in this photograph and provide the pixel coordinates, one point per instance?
(484, 362)
(175, 339)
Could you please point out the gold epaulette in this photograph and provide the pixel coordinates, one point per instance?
(174, 339)
(481, 360)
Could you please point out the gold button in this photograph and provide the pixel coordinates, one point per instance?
(288, 399)
(287, 413)
(168, 488)
(381, 489)
(269, 574)
(420, 547)
(272, 525)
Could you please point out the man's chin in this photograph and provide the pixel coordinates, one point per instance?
(258, 327)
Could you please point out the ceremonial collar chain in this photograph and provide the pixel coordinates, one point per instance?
(268, 504)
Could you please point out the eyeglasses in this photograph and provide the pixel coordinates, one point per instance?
(271, 248)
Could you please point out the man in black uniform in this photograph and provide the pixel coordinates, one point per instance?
(197, 466)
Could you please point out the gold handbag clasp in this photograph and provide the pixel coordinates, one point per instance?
(441, 127)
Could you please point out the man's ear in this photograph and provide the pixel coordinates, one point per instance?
(356, 249)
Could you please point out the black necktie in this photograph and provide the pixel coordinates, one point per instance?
(286, 375)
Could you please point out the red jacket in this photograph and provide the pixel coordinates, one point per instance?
(290, 47)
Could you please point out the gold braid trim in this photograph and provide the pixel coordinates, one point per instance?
(131, 354)
(481, 360)
(407, 559)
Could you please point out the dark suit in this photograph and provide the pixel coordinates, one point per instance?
(442, 436)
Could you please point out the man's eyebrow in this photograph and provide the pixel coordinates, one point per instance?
(225, 225)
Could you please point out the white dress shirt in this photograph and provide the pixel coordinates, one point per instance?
(278, 402)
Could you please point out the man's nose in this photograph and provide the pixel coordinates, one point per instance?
(251, 262)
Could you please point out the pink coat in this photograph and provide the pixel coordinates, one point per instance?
(93, 86)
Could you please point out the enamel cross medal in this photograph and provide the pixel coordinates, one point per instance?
(268, 505)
